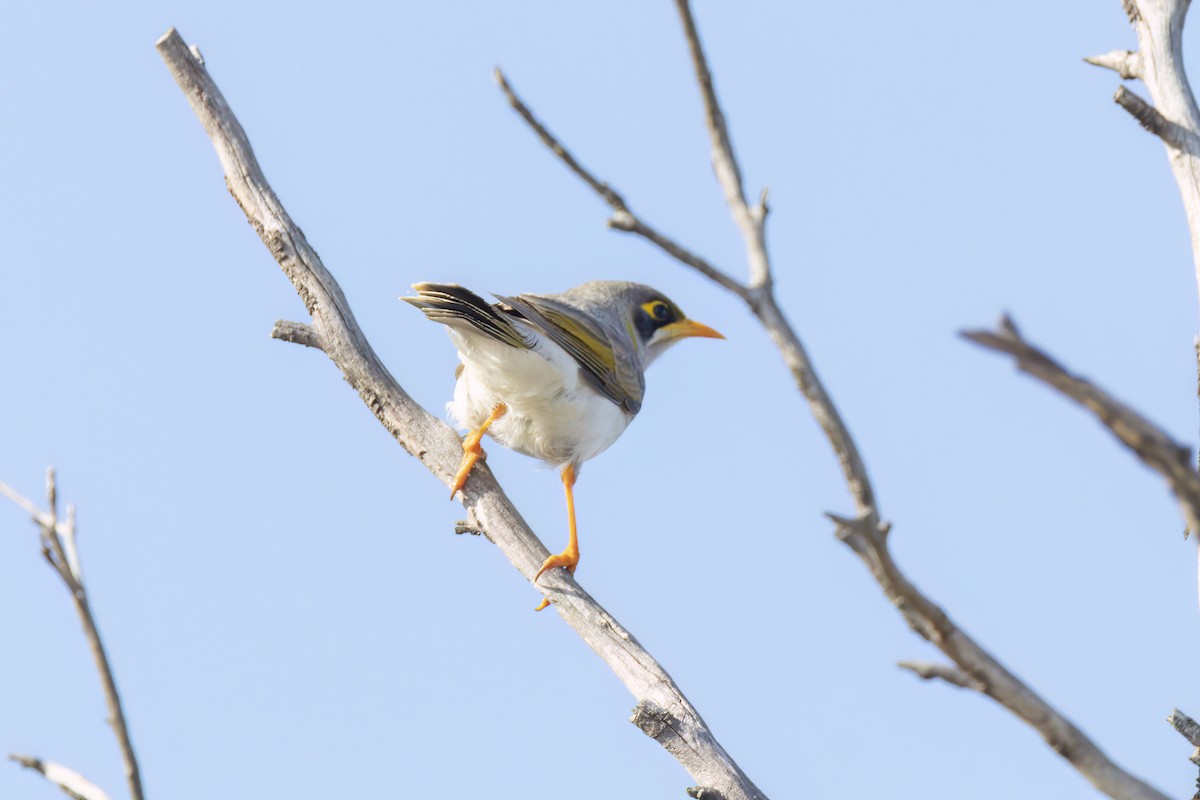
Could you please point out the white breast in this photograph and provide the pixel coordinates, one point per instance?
(553, 414)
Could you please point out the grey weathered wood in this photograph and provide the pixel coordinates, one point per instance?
(1150, 443)
(1174, 118)
(334, 331)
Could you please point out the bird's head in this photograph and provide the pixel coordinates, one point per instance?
(651, 319)
(659, 323)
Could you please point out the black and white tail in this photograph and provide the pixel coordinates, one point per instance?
(451, 304)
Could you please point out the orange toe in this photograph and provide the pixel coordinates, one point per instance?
(471, 456)
(567, 558)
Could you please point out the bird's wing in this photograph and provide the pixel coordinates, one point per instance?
(604, 361)
(451, 304)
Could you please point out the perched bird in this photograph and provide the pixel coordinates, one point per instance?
(554, 376)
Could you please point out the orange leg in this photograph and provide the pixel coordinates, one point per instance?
(471, 449)
(568, 558)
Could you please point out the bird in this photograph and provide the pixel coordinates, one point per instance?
(558, 377)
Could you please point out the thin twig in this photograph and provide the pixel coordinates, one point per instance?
(929, 671)
(751, 222)
(431, 441)
(598, 186)
(623, 219)
(70, 781)
(729, 174)
(1149, 442)
(58, 546)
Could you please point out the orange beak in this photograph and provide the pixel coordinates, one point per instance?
(687, 328)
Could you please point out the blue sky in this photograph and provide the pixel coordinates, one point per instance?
(287, 607)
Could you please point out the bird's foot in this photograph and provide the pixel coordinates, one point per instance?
(472, 453)
(567, 558)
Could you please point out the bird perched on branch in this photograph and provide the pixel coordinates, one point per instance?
(554, 376)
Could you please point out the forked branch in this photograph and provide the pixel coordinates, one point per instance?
(1173, 117)
(335, 331)
(59, 550)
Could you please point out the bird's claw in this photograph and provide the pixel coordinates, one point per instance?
(472, 453)
(566, 558)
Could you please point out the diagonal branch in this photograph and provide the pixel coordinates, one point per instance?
(1148, 442)
(983, 671)
(335, 332)
(1150, 118)
(71, 782)
(622, 219)
(751, 222)
(58, 548)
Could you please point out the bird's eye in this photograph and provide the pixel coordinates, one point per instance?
(658, 310)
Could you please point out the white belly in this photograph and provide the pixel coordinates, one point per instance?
(553, 414)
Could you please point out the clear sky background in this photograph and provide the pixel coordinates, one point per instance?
(288, 609)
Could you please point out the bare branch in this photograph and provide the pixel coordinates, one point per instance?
(1153, 121)
(984, 672)
(39, 519)
(928, 671)
(1174, 116)
(725, 164)
(623, 219)
(1149, 442)
(296, 333)
(58, 545)
(729, 175)
(428, 439)
(599, 187)
(1189, 729)
(1126, 63)
(70, 781)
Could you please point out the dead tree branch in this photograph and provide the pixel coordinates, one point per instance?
(622, 219)
(71, 782)
(1148, 442)
(59, 550)
(866, 533)
(1174, 117)
(928, 671)
(1189, 729)
(335, 332)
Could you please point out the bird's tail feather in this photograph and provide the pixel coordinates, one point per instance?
(451, 304)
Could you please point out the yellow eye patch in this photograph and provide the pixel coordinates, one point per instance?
(658, 310)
